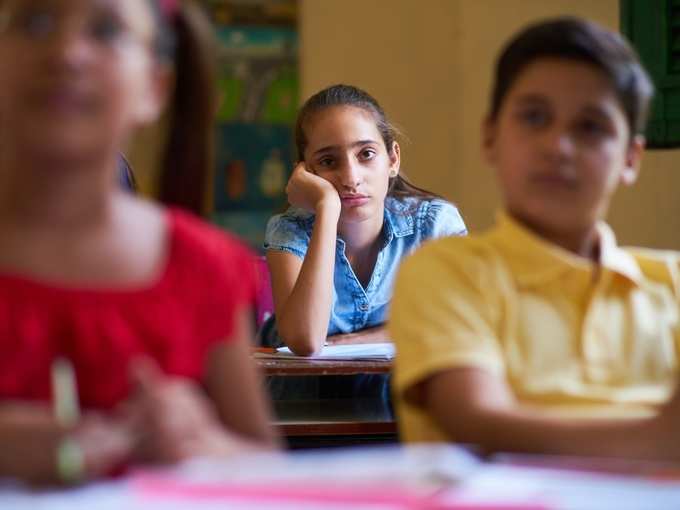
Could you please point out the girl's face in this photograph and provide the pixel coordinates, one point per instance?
(561, 146)
(346, 149)
(76, 76)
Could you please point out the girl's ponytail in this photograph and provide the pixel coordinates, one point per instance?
(186, 163)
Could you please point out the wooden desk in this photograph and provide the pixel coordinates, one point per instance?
(350, 417)
(315, 367)
(330, 422)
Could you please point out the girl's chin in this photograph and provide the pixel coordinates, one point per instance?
(355, 215)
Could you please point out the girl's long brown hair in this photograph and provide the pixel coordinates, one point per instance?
(186, 164)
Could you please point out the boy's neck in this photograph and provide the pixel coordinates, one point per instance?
(584, 242)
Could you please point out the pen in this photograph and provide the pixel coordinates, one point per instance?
(65, 393)
(70, 456)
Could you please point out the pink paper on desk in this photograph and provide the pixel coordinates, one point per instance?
(157, 488)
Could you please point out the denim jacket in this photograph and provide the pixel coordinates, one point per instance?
(407, 224)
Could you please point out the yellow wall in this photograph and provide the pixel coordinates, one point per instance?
(429, 63)
(402, 52)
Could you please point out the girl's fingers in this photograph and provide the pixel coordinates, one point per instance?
(145, 373)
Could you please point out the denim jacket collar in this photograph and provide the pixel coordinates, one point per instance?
(399, 217)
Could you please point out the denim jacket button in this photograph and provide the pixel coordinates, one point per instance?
(364, 307)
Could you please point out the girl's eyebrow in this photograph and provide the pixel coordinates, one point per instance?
(331, 148)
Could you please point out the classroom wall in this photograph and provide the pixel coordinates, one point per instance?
(403, 54)
(429, 63)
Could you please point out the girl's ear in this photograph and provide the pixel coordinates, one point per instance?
(395, 159)
(633, 159)
(489, 134)
(157, 93)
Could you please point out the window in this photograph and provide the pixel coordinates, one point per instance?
(653, 26)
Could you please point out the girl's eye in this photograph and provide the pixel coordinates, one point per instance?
(367, 154)
(33, 22)
(325, 162)
(106, 28)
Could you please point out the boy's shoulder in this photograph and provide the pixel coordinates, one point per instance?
(471, 255)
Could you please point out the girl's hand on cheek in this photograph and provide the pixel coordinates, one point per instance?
(311, 192)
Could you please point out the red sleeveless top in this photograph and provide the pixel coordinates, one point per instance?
(175, 320)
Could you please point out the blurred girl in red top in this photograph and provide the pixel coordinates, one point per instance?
(151, 306)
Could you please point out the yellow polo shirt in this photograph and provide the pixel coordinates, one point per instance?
(568, 336)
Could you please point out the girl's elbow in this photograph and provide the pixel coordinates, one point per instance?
(304, 346)
(301, 343)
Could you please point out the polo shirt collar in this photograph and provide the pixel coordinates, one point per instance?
(534, 260)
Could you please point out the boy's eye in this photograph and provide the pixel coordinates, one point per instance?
(592, 128)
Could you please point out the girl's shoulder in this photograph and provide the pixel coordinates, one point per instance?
(289, 231)
(196, 239)
(430, 217)
(210, 262)
(295, 216)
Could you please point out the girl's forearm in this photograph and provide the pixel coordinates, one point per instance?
(28, 440)
(303, 320)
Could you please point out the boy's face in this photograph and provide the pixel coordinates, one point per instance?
(561, 145)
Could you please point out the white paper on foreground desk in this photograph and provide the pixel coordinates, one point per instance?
(378, 478)
(365, 352)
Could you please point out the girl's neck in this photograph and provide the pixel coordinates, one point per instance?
(74, 194)
(361, 237)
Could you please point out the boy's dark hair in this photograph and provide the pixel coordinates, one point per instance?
(348, 95)
(187, 40)
(585, 41)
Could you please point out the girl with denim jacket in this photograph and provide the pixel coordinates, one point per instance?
(334, 253)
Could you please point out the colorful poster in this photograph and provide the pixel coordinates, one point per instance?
(254, 162)
(258, 83)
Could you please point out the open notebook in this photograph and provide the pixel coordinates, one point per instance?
(377, 351)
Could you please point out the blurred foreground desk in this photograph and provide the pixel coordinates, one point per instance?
(387, 478)
(330, 422)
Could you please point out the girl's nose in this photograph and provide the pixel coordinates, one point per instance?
(351, 175)
(69, 47)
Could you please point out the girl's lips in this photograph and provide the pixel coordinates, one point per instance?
(64, 100)
(354, 200)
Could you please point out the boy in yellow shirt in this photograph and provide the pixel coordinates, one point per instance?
(542, 335)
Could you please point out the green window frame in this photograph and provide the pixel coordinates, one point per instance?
(653, 27)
